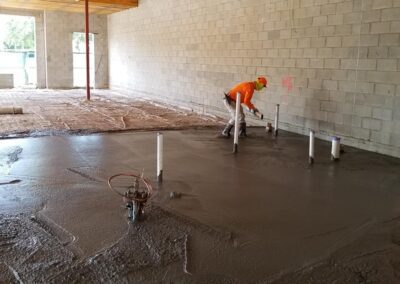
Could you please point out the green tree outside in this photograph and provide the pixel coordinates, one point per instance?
(20, 34)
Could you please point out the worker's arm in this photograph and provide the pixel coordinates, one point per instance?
(247, 101)
(252, 108)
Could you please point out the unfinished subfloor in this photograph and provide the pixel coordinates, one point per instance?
(262, 215)
(49, 112)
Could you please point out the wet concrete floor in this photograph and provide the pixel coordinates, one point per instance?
(262, 215)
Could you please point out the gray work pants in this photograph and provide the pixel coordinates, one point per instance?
(231, 107)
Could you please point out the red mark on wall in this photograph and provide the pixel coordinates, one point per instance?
(287, 82)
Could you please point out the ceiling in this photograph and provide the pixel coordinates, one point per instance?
(77, 6)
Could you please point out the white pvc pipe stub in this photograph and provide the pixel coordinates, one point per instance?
(160, 147)
(311, 150)
(276, 120)
(236, 140)
(335, 153)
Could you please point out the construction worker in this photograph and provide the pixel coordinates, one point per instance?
(246, 90)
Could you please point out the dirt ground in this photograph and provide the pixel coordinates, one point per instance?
(49, 112)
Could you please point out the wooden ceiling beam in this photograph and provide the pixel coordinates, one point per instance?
(128, 3)
(96, 6)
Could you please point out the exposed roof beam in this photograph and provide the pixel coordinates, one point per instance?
(128, 3)
(96, 6)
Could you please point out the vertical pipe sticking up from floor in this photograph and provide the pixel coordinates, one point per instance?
(335, 153)
(276, 120)
(236, 140)
(45, 49)
(311, 152)
(87, 50)
(159, 156)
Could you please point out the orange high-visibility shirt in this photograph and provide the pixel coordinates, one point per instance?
(246, 90)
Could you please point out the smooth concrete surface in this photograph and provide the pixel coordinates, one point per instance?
(269, 212)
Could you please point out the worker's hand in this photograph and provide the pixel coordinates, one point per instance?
(254, 111)
(257, 113)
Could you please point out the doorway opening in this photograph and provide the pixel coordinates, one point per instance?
(79, 59)
(18, 50)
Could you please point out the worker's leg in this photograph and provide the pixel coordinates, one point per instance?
(242, 121)
(231, 107)
(242, 117)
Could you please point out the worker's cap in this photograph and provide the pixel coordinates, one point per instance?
(262, 80)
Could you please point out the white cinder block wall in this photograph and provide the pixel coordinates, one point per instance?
(343, 57)
(59, 27)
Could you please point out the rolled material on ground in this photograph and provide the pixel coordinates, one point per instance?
(11, 110)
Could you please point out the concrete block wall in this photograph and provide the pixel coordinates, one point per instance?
(59, 27)
(333, 65)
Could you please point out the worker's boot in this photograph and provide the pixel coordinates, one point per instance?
(227, 130)
(242, 129)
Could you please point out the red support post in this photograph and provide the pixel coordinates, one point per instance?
(87, 50)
